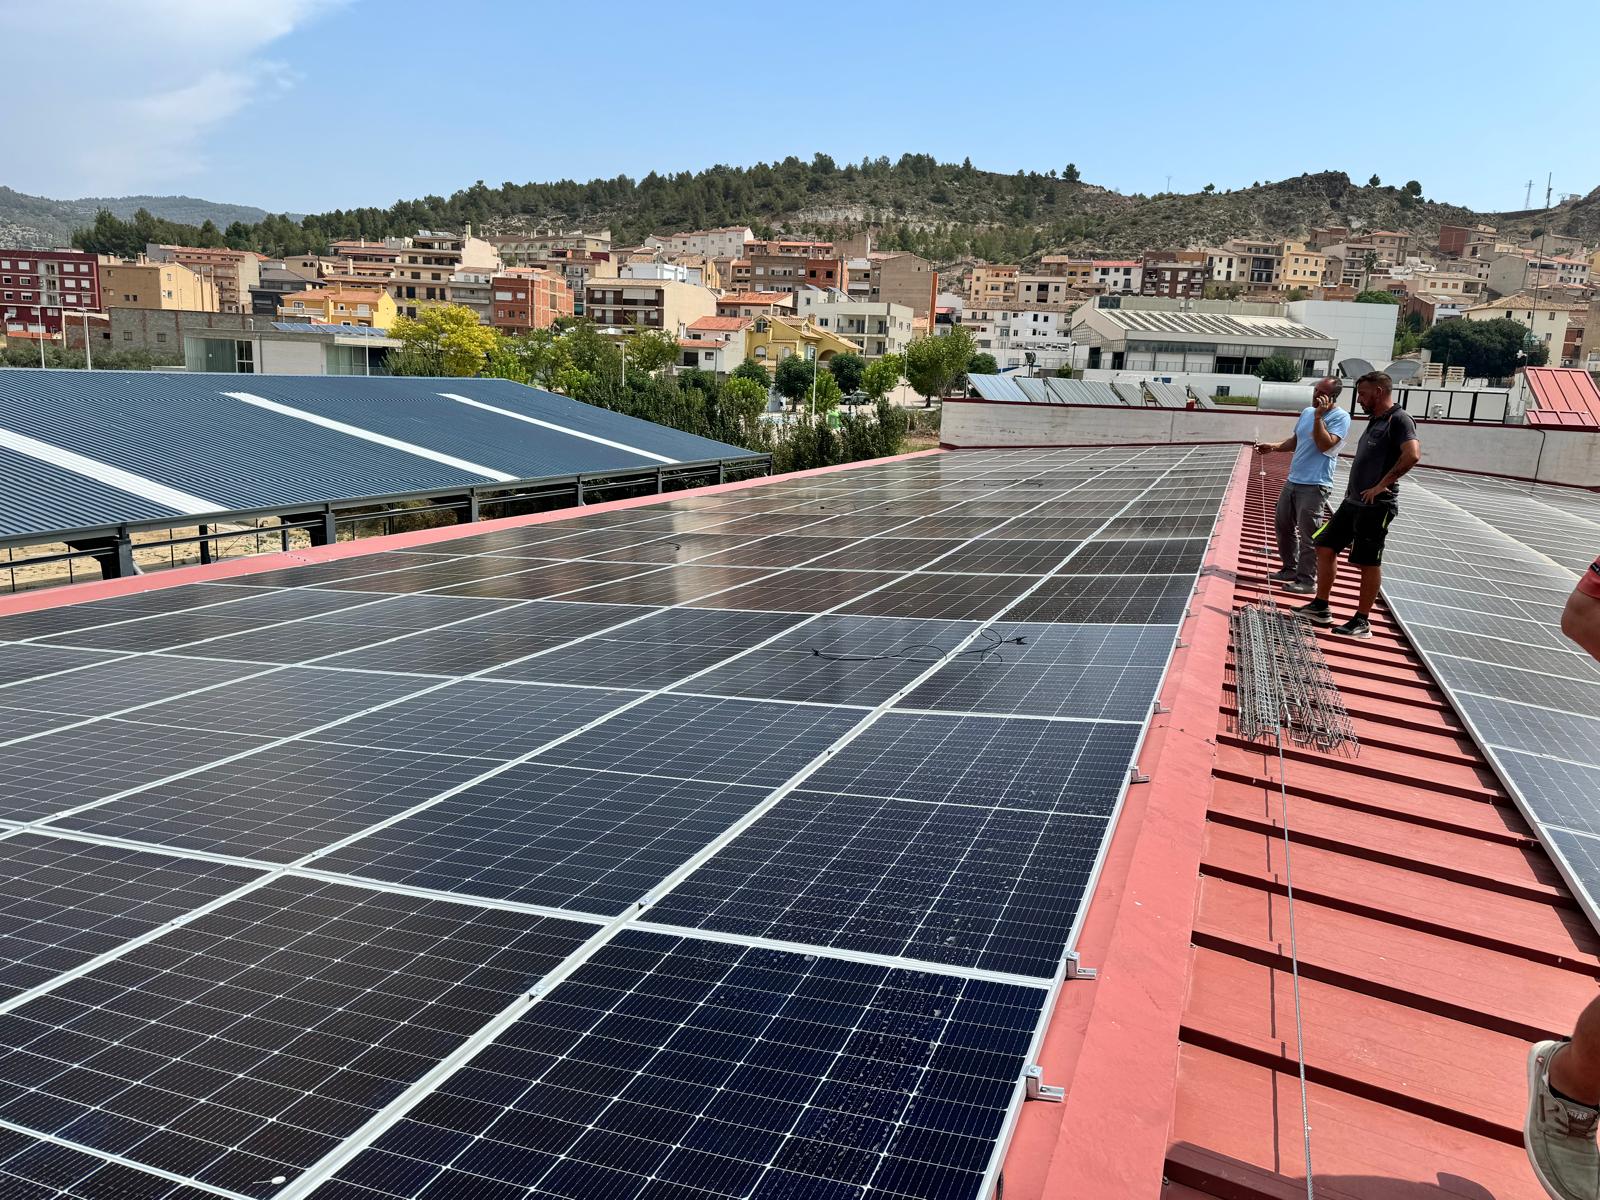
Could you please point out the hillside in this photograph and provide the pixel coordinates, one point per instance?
(36, 221)
(945, 211)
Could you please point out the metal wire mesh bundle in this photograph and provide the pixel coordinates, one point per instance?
(1282, 682)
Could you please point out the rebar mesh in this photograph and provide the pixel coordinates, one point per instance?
(1282, 682)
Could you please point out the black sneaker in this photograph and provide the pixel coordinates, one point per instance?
(1317, 612)
(1282, 576)
(1300, 588)
(1355, 627)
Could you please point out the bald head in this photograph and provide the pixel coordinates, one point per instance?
(1329, 388)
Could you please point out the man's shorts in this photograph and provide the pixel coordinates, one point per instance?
(1589, 585)
(1362, 527)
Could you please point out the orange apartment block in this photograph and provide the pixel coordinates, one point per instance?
(525, 298)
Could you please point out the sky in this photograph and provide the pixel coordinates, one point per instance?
(308, 105)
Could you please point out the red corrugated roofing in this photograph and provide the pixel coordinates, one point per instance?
(1563, 396)
(1436, 939)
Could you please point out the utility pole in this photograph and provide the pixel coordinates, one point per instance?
(1527, 197)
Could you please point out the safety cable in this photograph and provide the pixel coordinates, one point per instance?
(1284, 719)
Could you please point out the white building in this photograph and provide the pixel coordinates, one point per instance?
(727, 242)
(714, 343)
(660, 270)
(1120, 276)
(1205, 339)
(1011, 335)
(878, 326)
(1358, 330)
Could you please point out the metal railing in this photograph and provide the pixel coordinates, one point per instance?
(113, 546)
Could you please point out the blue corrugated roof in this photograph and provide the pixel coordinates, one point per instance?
(183, 431)
(38, 497)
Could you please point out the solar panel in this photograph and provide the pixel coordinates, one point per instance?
(245, 1044)
(680, 1064)
(718, 784)
(1488, 624)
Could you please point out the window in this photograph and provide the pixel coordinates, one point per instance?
(161, 337)
(127, 335)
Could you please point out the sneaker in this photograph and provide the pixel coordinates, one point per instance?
(1282, 576)
(1317, 612)
(1559, 1134)
(1355, 627)
(1300, 589)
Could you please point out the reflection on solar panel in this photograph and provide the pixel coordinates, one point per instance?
(1479, 582)
(729, 846)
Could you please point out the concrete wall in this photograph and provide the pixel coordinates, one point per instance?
(1361, 330)
(1568, 456)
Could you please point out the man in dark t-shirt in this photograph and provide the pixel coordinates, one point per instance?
(1387, 450)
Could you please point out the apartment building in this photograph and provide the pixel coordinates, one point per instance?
(470, 287)
(1345, 264)
(425, 267)
(878, 328)
(1117, 276)
(1445, 283)
(340, 305)
(1076, 273)
(532, 249)
(993, 285)
(1301, 267)
(37, 287)
(770, 272)
(1391, 245)
(1046, 289)
(714, 343)
(1454, 239)
(528, 298)
(727, 241)
(755, 304)
(232, 272)
(774, 339)
(277, 281)
(1174, 274)
(904, 278)
(663, 304)
(795, 247)
(1039, 337)
(826, 272)
(146, 284)
(366, 259)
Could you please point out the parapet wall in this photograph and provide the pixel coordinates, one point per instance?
(1569, 456)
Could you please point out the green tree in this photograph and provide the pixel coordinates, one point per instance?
(1373, 296)
(826, 395)
(1413, 188)
(1374, 182)
(743, 399)
(537, 358)
(1279, 368)
(1369, 261)
(847, 370)
(444, 340)
(881, 377)
(937, 364)
(756, 373)
(1297, 293)
(1485, 349)
(793, 378)
(1071, 173)
(1209, 188)
(651, 349)
(983, 364)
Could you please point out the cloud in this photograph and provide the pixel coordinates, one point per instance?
(127, 93)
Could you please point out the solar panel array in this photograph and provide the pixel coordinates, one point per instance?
(1478, 581)
(727, 846)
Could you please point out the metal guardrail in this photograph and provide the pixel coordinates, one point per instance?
(112, 546)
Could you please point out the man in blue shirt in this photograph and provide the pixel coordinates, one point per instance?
(1303, 502)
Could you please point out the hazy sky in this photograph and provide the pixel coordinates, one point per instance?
(306, 105)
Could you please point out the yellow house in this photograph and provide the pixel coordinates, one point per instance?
(340, 305)
(769, 341)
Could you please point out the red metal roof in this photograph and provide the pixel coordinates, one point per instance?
(1435, 940)
(1563, 396)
